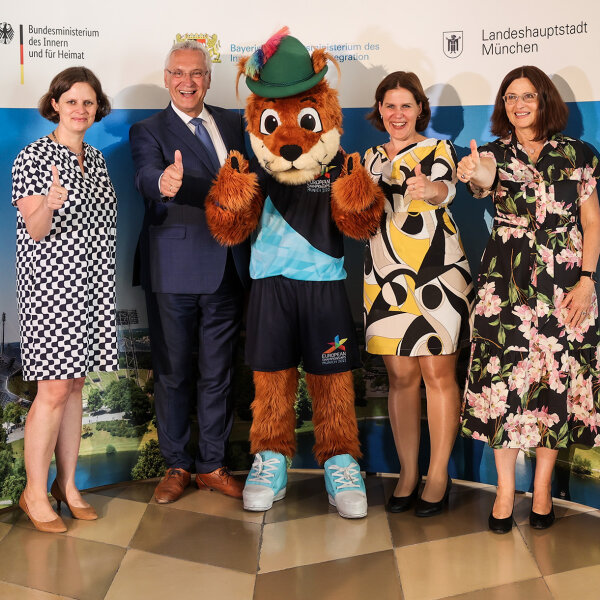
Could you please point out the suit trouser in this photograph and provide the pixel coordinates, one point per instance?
(179, 322)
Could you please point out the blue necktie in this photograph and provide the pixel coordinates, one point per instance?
(203, 136)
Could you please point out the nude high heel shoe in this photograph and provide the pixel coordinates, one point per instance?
(55, 526)
(84, 514)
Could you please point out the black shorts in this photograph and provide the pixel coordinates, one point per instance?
(291, 321)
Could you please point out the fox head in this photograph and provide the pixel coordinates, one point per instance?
(295, 137)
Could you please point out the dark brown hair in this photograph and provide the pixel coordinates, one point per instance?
(409, 81)
(552, 112)
(63, 82)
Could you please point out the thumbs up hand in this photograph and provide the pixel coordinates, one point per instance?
(468, 165)
(57, 194)
(178, 162)
(418, 186)
(172, 177)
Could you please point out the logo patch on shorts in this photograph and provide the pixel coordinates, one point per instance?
(336, 353)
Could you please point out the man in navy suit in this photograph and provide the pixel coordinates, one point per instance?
(194, 286)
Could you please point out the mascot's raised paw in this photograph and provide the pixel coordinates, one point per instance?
(356, 201)
(234, 203)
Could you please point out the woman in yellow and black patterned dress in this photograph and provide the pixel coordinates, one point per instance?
(418, 291)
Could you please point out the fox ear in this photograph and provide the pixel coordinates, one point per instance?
(319, 59)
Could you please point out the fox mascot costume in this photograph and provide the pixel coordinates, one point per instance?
(296, 197)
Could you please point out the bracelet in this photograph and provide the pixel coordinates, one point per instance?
(590, 274)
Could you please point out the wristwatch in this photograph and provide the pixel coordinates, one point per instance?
(590, 274)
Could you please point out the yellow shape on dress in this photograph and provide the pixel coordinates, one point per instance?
(382, 345)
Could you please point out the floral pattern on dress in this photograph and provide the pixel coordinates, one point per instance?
(534, 380)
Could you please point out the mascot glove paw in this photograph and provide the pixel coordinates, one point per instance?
(266, 481)
(237, 162)
(355, 191)
(351, 164)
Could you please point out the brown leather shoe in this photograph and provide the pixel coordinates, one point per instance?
(171, 486)
(222, 481)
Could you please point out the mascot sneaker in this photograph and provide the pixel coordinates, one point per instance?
(266, 481)
(345, 486)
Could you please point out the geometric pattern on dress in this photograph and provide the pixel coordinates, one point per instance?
(66, 281)
(418, 291)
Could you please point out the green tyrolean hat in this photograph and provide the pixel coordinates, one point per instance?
(286, 71)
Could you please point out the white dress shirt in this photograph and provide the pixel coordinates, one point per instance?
(211, 127)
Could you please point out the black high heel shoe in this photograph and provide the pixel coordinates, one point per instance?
(398, 504)
(429, 509)
(538, 521)
(500, 525)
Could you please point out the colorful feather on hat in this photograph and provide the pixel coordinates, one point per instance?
(257, 61)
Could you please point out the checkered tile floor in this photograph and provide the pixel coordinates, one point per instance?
(206, 547)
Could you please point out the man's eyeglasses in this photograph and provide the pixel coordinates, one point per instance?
(182, 74)
(528, 98)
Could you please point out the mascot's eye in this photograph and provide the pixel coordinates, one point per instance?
(308, 118)
(269, 121)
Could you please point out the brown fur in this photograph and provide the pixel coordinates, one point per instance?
(273, 414)
(356, 201)
(334, 419)
(234, 203)
(321, 97)
(319, 60)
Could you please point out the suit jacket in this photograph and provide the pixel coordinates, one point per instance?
(178, 254)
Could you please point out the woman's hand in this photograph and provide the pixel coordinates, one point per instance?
(420, 187)
(481, 172)
(578, 302)
(469, 165)
(57, 194)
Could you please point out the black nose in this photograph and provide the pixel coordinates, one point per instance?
(290, 152)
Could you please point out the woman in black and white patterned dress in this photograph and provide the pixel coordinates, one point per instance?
(65, 285)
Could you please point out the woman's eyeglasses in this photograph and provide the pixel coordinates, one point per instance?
(528, 98)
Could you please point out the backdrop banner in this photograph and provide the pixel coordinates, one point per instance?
(460, 54)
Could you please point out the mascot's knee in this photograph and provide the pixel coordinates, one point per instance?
(335, 390)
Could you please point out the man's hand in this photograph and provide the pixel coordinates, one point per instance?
(172, 177)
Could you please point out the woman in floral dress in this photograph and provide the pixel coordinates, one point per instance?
(533, 378)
